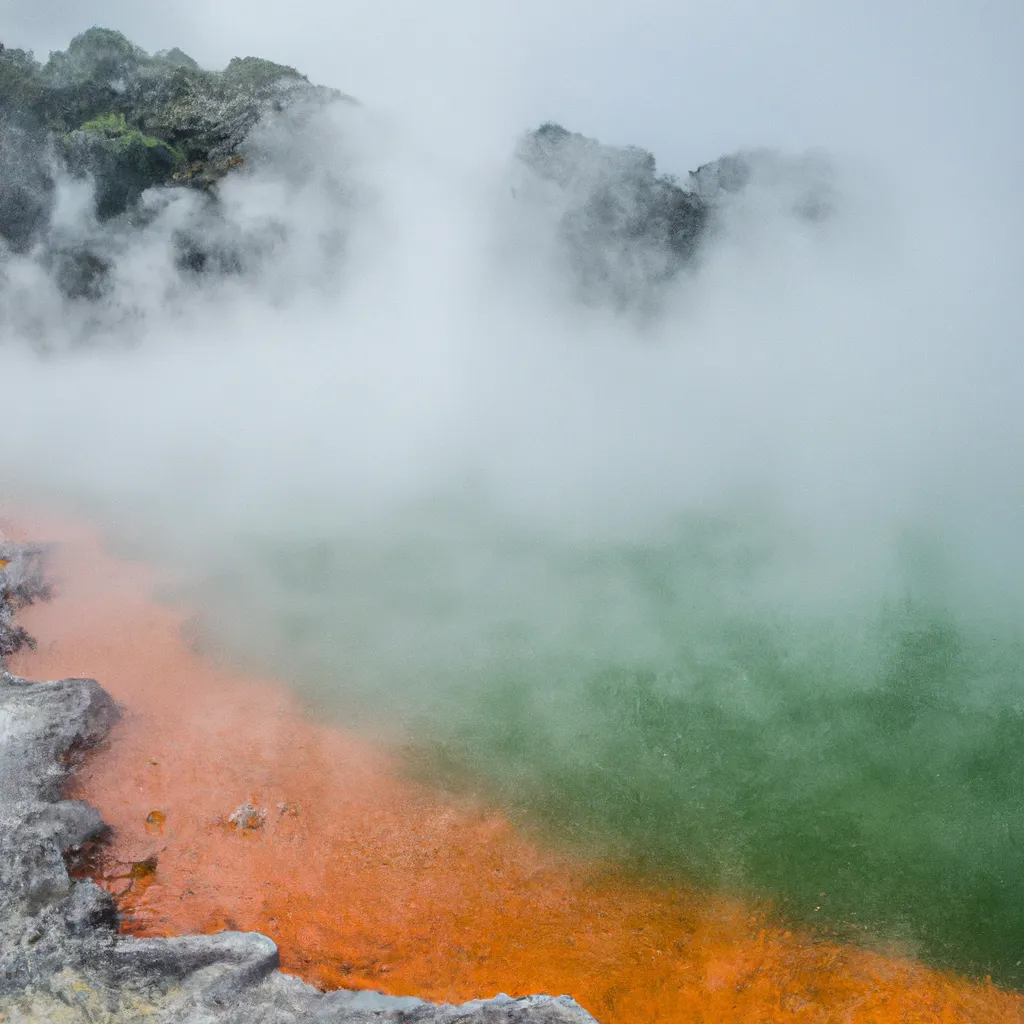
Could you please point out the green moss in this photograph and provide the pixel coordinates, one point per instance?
(110, 125)
(115, 127)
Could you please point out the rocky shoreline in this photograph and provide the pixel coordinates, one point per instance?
(61, 956)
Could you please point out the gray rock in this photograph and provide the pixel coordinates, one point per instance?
(106, 109)
(104, 84)
(22, 581)
(61, 957)
(140, 131)
(624, 230)
(26, 183)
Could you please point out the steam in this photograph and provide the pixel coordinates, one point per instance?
(401, 445)
(377, 324)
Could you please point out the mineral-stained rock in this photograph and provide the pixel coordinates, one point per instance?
(61, 957)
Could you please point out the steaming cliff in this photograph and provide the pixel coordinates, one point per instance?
(107, 112)
(137, 130)
(106, 109)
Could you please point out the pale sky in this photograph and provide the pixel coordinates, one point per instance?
(686, 80)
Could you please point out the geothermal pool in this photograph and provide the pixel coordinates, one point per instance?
(486, 861)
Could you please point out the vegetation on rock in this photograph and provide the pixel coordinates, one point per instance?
(129, 122)
(106, 108)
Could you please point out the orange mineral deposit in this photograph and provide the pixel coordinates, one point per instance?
(230, 808)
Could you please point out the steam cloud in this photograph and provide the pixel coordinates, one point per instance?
(402, 444)
(376, 324)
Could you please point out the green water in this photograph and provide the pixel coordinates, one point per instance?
(888, 814)
(858, 759)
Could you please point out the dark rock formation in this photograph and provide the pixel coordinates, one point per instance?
(625, 231)
(106, 108)
(146, 129)
(106, 112)
(122, 160)
(61, 957)
(805, 184)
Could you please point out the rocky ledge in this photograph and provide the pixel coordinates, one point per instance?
(61, 956)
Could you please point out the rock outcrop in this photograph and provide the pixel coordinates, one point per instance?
(128, 125)
(130, 120)
(625, 231)
(61, 957)
(136, 126)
